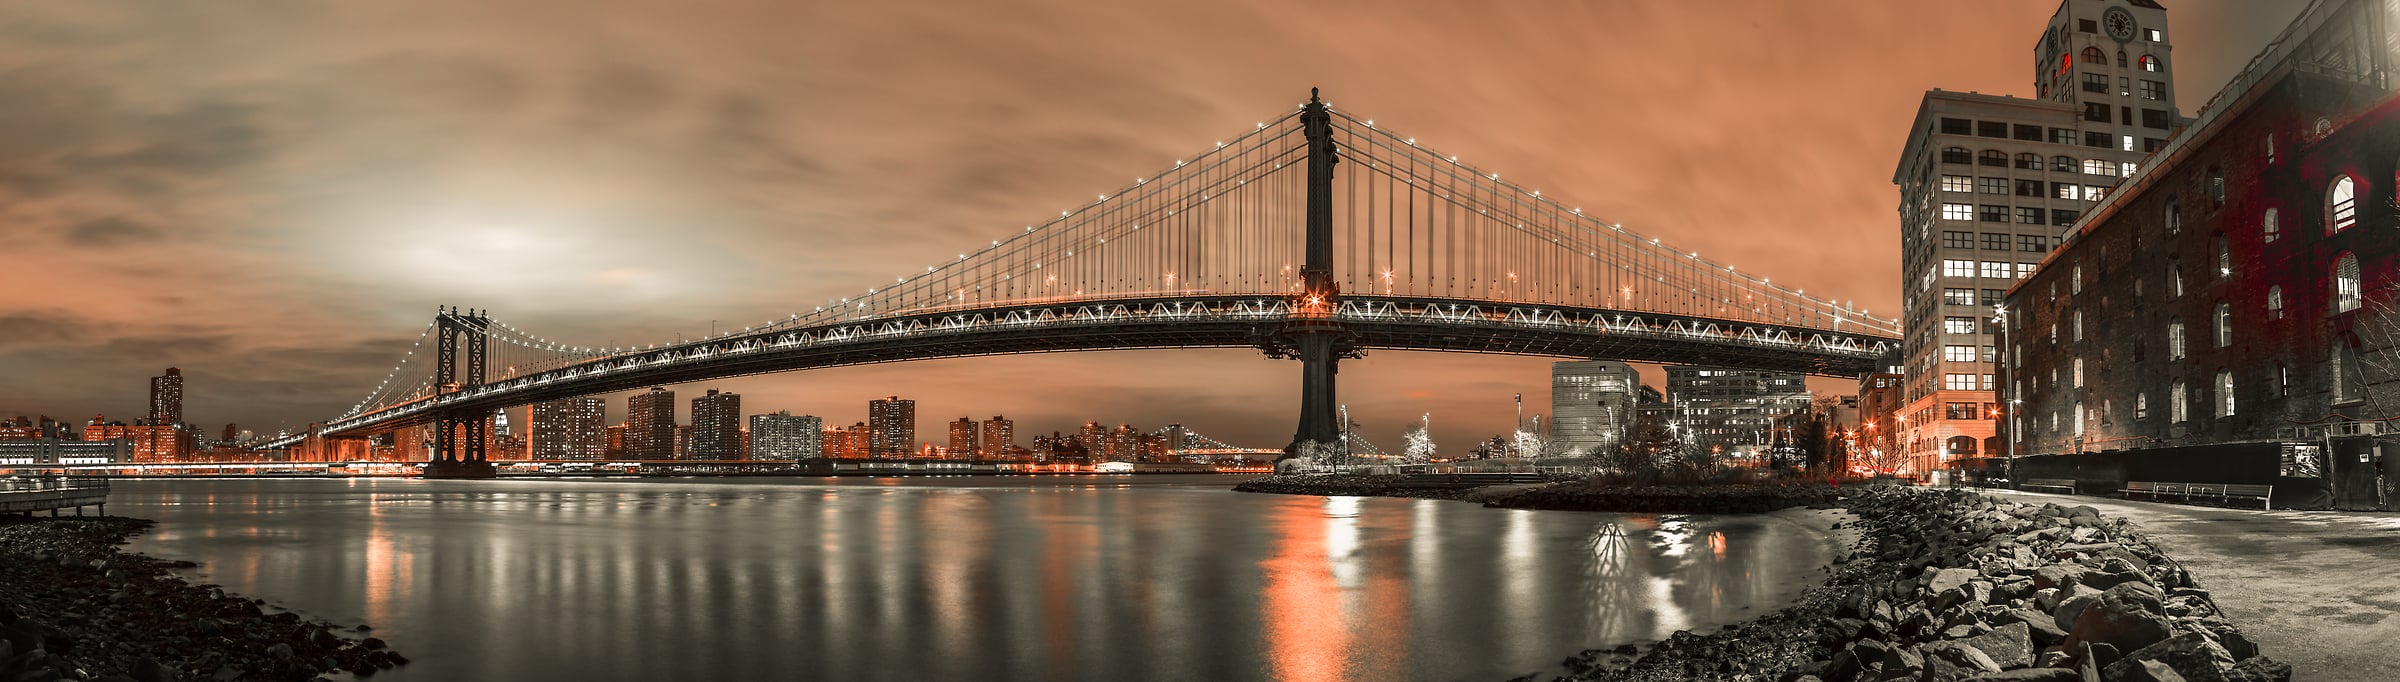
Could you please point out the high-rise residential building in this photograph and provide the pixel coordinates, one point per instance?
(1731, 412)
(891, 427)
(650, 425)
(616, 440)
(166, 398)
(1988, 186)
(716, 426)
(568, 428)
(1591, 405)
(999, 434)
(964, 438)
(1117, 444)
(683, 441)
(783, 435)
(1089, 436)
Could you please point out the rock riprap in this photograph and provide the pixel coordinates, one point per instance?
(1948, 586)
(74, 607)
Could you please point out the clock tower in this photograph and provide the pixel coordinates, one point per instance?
(2112, 61)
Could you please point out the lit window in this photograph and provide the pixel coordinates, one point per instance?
(1958, 382)
(1958, 268)
(1958, 211)
(2155, 36)
(2079, 417)
(1958, 296)
(2345, 283)
(2063, 164)
(2079, 325)
(2224, 325)
(2078, 286)
(1958, 353)
(2267, 229)
(2079, 372)
(2344, 203)
(2099, 167)
(2175, 340)
(2174, 282)
(2141, 406)
(2224, 393)
(2150, 64)
(2275, 303)
(2174, 216)
(1958, 183)
(2127, 168)
(2175, 411)
(1958, 325)
(2216, 184)
(2025, 270)
(1995, 270)
(2224, 258)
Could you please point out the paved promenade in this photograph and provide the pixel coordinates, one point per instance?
(2318, 590)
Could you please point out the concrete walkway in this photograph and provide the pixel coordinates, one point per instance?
(2317, 590)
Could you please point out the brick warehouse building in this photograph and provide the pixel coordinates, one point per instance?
(2207, 321)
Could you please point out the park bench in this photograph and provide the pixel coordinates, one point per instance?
(2223, 493)
(2064, 485)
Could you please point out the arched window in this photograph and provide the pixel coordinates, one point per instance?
(2348, 376)
(2174, 215)
(2342, 202)
(2151, 64)
(2224, 393)
(1992, 157)
(2216, 184)
(2079, 373)
(2345, 282)
(2224, 257)
(2141, 406)
(2120, 58)
(1957, 155)
(2275, 303)
(2029, 161)
(2224, 325)
(2175, 339)
(2175, 405)
(1961, 445)
(2174, 281)
(2094, 57)
(2062, 164)
(2268, 230)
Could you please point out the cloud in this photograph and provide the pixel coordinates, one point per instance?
(110, 231)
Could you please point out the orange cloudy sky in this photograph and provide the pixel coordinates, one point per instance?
(274, 195)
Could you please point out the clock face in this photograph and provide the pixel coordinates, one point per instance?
(2119, 23)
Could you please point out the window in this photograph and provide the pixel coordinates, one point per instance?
(2224, 325)
(2093, 82)
(2152, 144)
(2175, 340)
(2216, 184)
(1991, 185)
(2174, 282)
(2078, 373)
(1958, 240)
(1958, 325)
(1995, 242)
(1991, 214)
(2348, 376)
(2175, 401)
(2344, 203)
(2127, 168)
(1960, 411)
(1958, 268)
(2174, 216)
(1995, 270)
(2150, 64)
(1957, 126)
(1957, 155)
(2141, 406)
(2028, 133)
(1958, 296)
(1991, 129)
(2283, 380)
(2157, 118)
(2099, 167)
(2154, 35)
(1958, 382)
(1958, 211)
(2032, 243)
(2093, 56)
(2270, 148)
(2124, 87)
(1957, 183)
(2120, 58)
(1994, 296)
(2029, 161)
(2062, 136)
(2079, 325)
(2345, 283)
(2095, 111)
(2267, 229)
(2094, 192)
(1958, 353)
(2079, 419)
(2064, 164)
(2154, 90)
(2029, 216)
(2087, 26)
(2275, 303)
(2062, 217)
(2224, 393)
(2025, 270)
(2224, 258)
(2077, 286)
(2030, 188)
(2096, 139)
(1992, 157)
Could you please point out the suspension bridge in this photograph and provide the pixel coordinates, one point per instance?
(1315, 236)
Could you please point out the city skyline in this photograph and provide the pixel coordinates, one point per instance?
(511, 208)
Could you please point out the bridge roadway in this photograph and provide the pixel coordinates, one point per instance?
(1370, 323)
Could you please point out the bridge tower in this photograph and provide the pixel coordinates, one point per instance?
(1313, 335)
(460, 438)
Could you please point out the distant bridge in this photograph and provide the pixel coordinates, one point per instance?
(1315, 236)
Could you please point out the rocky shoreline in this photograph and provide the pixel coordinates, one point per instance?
(1360, 485)
(75, 607)
(1953, 585)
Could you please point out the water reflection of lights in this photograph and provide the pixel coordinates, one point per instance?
(1674, 535)
(1341, 541)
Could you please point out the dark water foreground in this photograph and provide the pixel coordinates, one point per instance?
(965, 578)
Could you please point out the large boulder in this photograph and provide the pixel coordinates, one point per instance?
(2191, 655)
(2128, 616)
(2010, 646)
(2141, 671)
(1947, 579)
(2071, 603)
(2041, 626)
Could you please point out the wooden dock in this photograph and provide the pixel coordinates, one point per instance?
(29, 494)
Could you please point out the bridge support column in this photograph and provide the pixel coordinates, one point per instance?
(1312, 334)
(453, 458)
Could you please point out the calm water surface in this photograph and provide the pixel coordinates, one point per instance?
(998, 578)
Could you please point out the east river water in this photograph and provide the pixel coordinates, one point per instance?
(957, 578)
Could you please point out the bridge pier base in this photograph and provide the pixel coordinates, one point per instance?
(460, 468)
